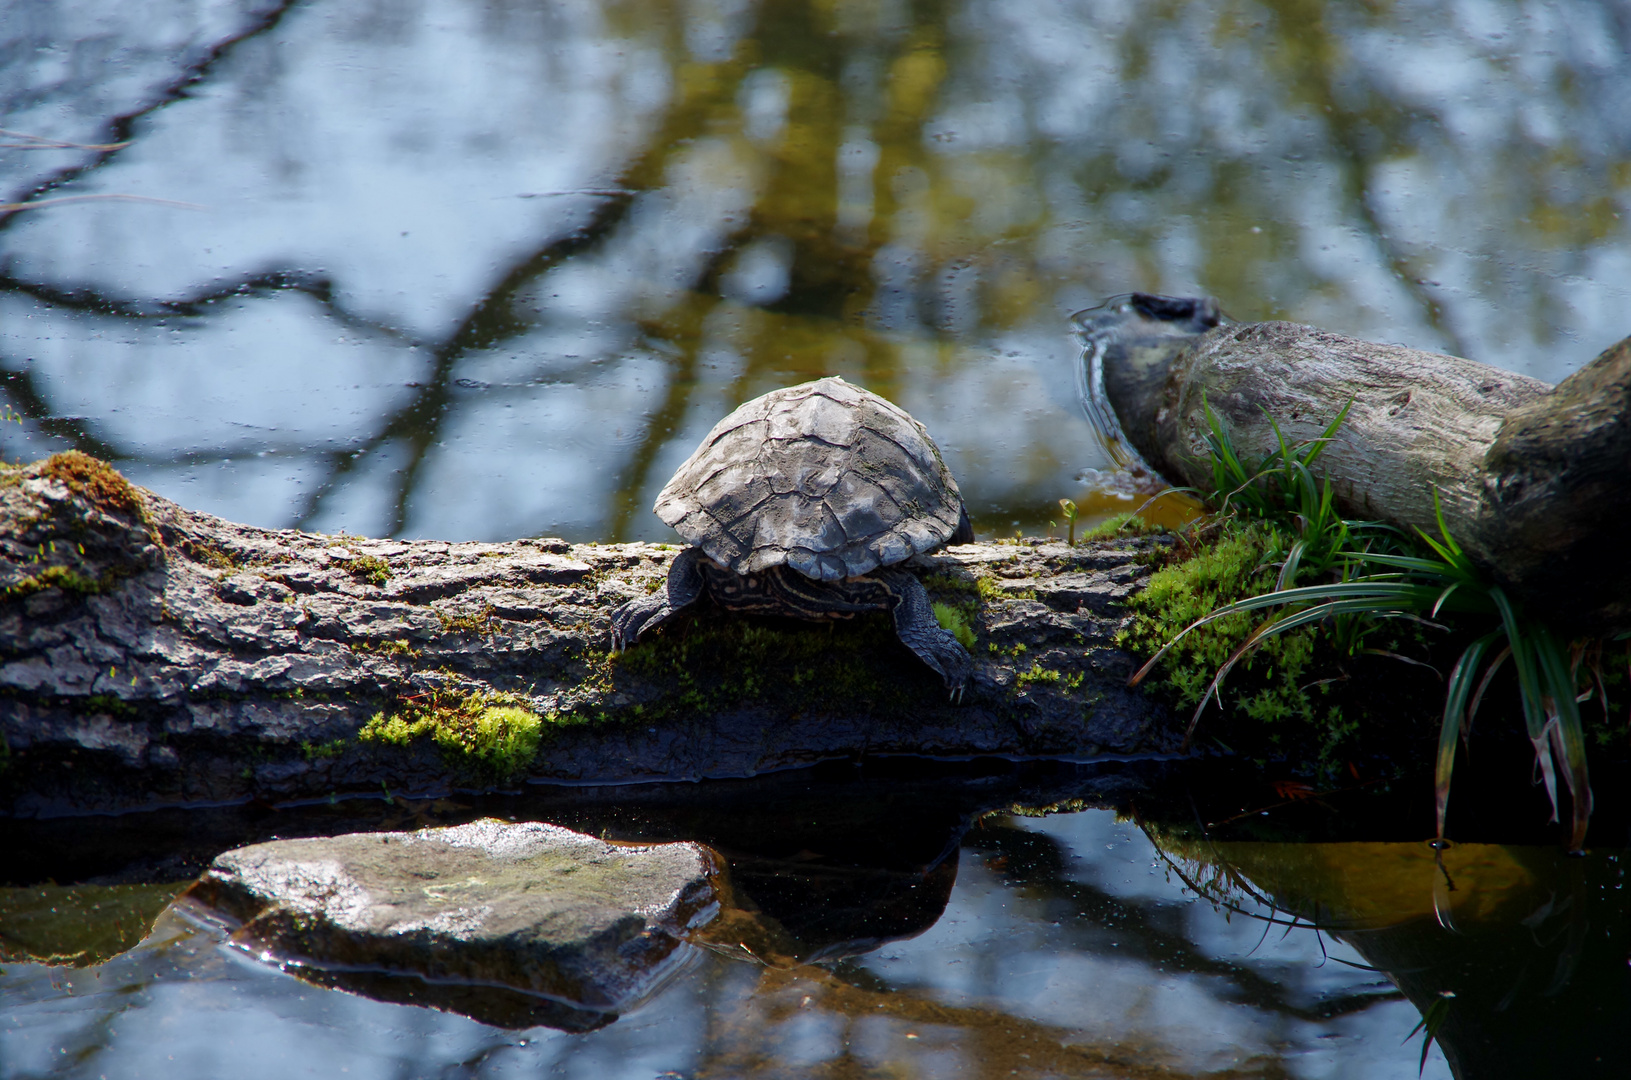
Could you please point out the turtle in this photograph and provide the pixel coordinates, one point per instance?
(803, 502)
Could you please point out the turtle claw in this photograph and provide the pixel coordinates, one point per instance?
(637, 616)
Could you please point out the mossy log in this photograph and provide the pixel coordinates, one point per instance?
(1534, 481)
(150, 655)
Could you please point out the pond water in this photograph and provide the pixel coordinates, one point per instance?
(477, 269)
(888, 925)
(481, 269)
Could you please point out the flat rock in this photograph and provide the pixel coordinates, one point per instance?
(512, 924)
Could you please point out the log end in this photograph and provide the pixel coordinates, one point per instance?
(1131, 348)
(1556, 512)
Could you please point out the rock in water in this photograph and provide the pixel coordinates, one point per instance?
(512, 924)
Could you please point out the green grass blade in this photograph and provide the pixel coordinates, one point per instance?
(1223, 449)
(1317, 447)
(1377, 597)
(1557, 675)
(1519, 639)
(1320, 612)
(1215, 687)
(1444, 530)
(1388, 595)
(1455, 706)
(1431, 1020)
(1410, 563)
(1478, 698)
(1288, 570)
(1449, 590)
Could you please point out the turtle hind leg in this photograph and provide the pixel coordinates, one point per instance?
(919, 631)
(684, 585)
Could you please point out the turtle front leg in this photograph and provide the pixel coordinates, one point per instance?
(634, 618)
(921, 632)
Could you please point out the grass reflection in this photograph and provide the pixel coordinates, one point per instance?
(1515, 956)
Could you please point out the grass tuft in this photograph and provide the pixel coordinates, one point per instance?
(1360, 575)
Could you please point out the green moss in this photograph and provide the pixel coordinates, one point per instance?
(506, 736)
(716, 662)
(397, 647)
(477, 623)
(491, 733)
(956, 620)
(69, 580)
(991, 590)
(331, 749)
(65, 578)
(208, 555)
(96, 480)
(1267, 686)
(1121, 525)
(370, 569)
(1039, 674)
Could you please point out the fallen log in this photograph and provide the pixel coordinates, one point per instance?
(151, 655)
(1534, 481)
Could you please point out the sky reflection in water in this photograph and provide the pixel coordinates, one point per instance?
(481, 270)
(478, 270)
(1066, 948)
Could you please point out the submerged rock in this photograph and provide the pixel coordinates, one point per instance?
(511, 924)
(77, 925)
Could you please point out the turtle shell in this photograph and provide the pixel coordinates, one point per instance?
(828, 478)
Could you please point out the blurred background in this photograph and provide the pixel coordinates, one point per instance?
(480, 269)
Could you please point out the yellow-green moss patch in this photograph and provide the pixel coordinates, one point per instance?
(65, 578)
(477, 623)
(396, 647)
(96, 480)
(955, 620)
(495, 733)
(370, 569)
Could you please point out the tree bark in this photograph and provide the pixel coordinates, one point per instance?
(151, 655)
(1534, 481)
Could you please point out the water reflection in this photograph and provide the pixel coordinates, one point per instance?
(871, 938)
(479, 269)
(1063, 949)
(888, 919)
(1523, 949)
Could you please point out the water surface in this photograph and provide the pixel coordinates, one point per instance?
(1067, 947)
(474, 269)
(478, 269)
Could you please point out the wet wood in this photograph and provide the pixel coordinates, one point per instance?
(152, 655)
(1534, 480)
